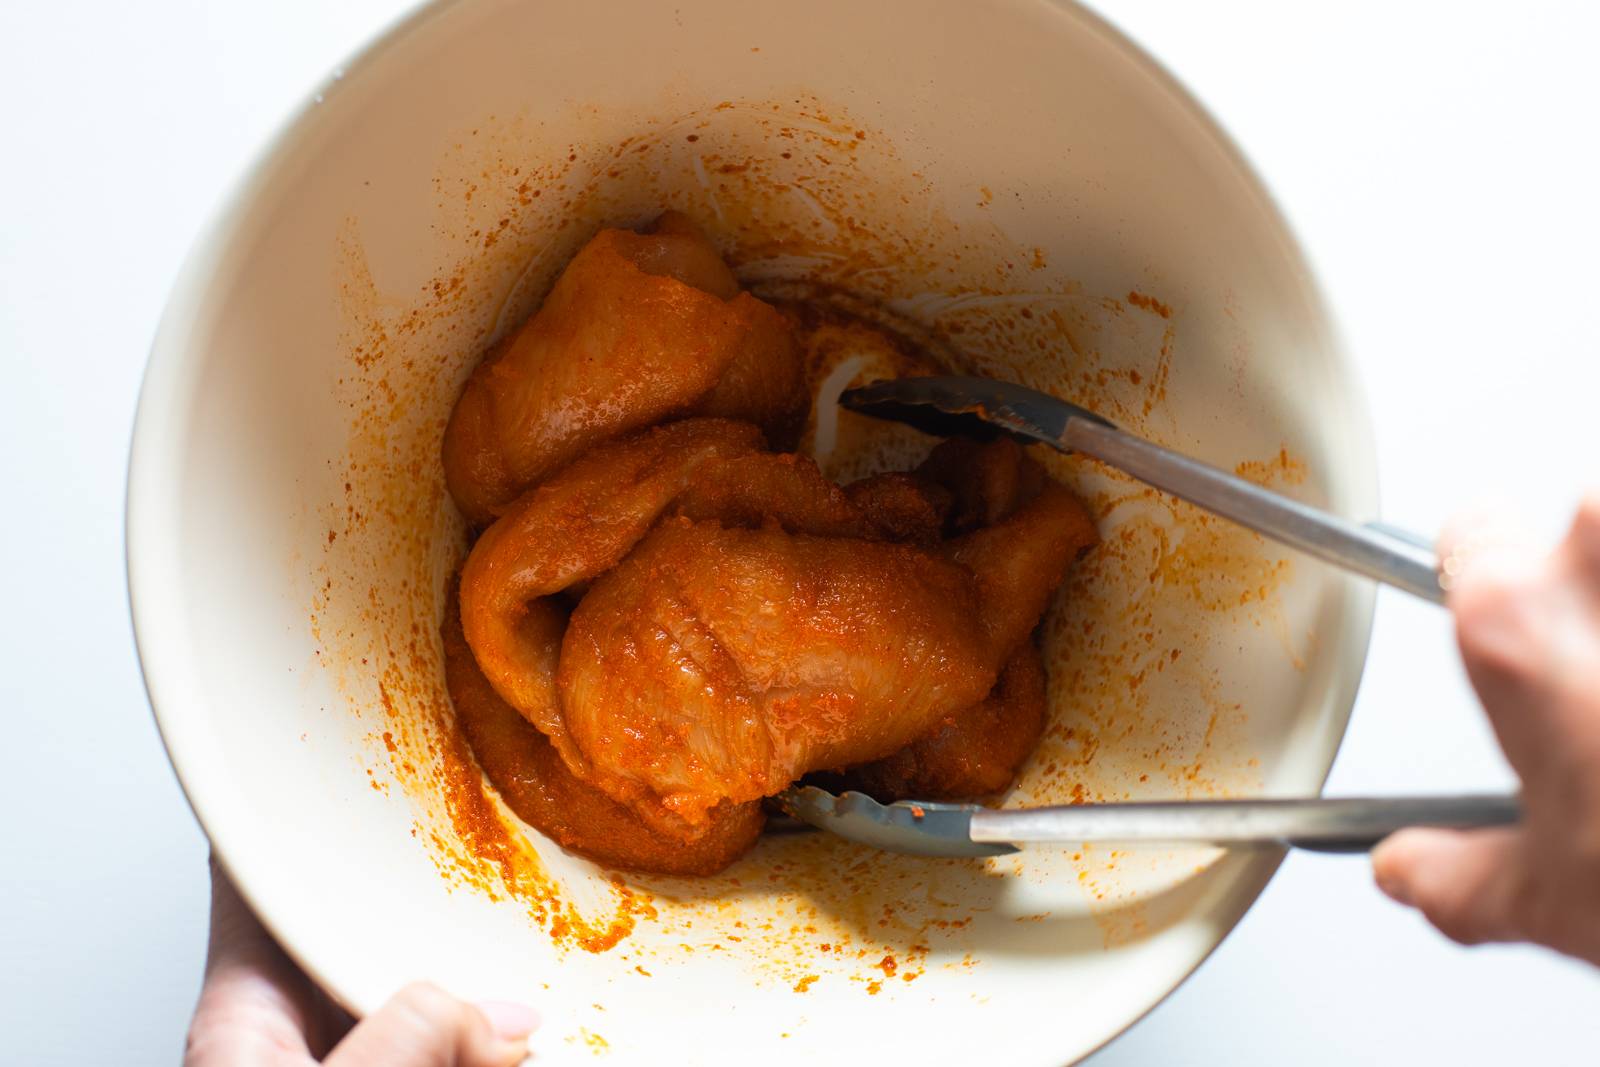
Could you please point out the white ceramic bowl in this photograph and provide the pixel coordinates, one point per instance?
(1012, 176)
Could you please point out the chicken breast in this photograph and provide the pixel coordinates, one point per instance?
(639, 328)
(717, 665)
(583, 521)
(974, 752)
(567, 532)
(536, 784)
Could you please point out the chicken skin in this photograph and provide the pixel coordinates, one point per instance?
(639, 328)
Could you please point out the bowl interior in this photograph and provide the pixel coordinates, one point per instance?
(1015, 184)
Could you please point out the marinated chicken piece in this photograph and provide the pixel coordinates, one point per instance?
(570, 530)
(581, 523)
(783, 489)
(975, 752)
(901, 507)
(536, 784)
(639, 328)
(987, 480)
(1000, 496)
(718, 665)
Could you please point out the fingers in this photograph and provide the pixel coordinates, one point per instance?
(1583, 541)
(1484, 531)
(423, 1026)
(1467, 884)
(255, 1007)
(1528, 624)
(1500, 594)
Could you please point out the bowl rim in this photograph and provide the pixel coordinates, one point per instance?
(171, 358)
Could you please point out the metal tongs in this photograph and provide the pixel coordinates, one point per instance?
(947, 406)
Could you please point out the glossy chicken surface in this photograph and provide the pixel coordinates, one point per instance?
(639, 328)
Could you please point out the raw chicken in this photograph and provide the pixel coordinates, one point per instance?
(638, 329)
(771, 628)
(665, 621)
(717, 665)
(975, 752)
(978, 750)
(582, 522)
(524, 768)
(745, 621)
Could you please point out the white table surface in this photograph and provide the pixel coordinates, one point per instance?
(1440, 164)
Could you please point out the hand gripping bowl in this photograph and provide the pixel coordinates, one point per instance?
(1012, 182)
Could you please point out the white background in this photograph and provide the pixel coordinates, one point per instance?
(1440, 163)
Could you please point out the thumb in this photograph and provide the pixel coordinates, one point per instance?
(423, 1026)
(1465, 882)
